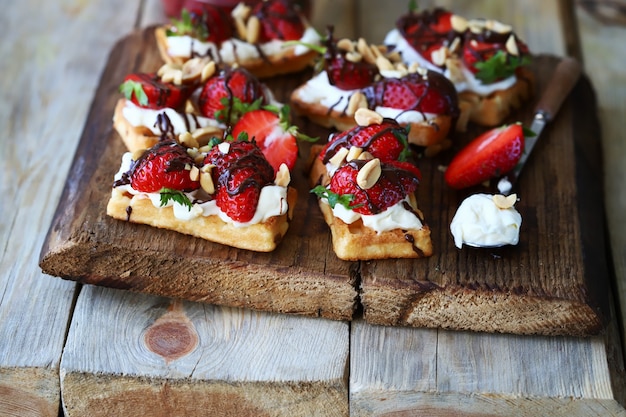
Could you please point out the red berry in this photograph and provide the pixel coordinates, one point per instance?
(272, 136)
(147, 90)
(166, 165)
(491, 154)
(218, 94)
(239, 174)
(394, 184)
(343, 73)
(480, 47)
(279, 20)
(386, 141)
(204, 22)
(429, 93)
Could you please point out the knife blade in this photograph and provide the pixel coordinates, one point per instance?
(563, 79)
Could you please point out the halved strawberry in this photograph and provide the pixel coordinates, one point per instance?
(240, 172)
(202, 21)
(428, 92)
(271, 130)
(386, 141)
(491, 154)
(279, 20)
(427, 31)
(394, 184)
(165, 165)
(219, 93)
(147, 90)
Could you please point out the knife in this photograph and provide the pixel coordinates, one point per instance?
(563, 79)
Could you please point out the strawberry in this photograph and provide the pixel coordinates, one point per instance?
(165, 165)
(147, 90)
(204, 22)
(491, 154)
(240, 172)
(427, 31)
(271, 130)
(487, 56)
(386, 141)
(219, 93)
(396, 181)
(343, 73)
(279, 20)
(428, 92)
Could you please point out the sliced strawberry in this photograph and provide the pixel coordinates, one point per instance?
(202, 21)
(147, 90)
(386, 141)
(219, 93)
(165, 165)
(427, 31)
(279, 20)
(428, 92)
(394, 184)
(273, 134)
(240, 172)
(491, 154)
(343, 73)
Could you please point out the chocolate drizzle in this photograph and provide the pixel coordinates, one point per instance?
(417, 29)
(273, 11)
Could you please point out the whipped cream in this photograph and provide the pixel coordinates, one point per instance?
(181, 122)
(319, 90)
(272, 201)
(235, 50)
(394, 217)
(479, 222)
(463, 80)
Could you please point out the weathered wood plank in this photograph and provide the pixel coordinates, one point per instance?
(136, 354)
(44, 47)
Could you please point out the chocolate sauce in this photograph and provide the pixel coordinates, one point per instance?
(155, 81)
(495, 40)
(273, 11)
(417, 29)
(129, 210)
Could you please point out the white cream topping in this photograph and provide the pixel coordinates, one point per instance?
(235, 50)
(272, 201)
(479, 222)
(181, 122)
(466, 82)
(394, 217)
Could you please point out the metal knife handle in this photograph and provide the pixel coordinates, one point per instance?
(561, 83)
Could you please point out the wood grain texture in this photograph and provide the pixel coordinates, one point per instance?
(166, 357)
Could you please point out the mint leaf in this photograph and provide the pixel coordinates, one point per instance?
(403, 137)
(334, 198)
(186, 26)
(501, 65)
(130, 87)
(179, 197)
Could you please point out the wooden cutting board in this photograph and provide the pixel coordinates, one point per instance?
(555, 281)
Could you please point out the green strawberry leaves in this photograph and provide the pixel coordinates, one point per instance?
(129, 87)
(501, 65)
(179, 197)
(333, 198)
(186, 26)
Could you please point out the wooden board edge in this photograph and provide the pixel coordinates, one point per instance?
(29, 392)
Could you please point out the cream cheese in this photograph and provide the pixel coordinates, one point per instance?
(479, 222)
(272, 201)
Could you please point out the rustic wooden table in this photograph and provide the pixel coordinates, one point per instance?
(80, 350)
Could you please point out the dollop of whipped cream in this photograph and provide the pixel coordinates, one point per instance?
(272, 201)
(482, 221)
(180, 122)
(235, 50)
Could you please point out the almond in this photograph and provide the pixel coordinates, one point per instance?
(369, 174)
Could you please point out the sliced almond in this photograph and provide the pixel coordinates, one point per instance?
(339, 157)
(458, 23)
(354, 153)
(504, 202)
(511, 46)
(253, 29)
(283, 177)
(356, 101)
(366, 117)
(206, 181)
(369, 174)
(194, 173)
(345, 44)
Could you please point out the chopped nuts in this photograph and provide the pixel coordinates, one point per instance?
(504, 202)
(365, 156)
(366, 117)
(354, 153)
(253, 29)
(188, 140)
(339, 157)
(240, 25)
(354, 56)
(241, 11)
(345, 44)
(459, 24)
(138, 154)
(511, 46)
(365, 50)
(439, 56)
(204, 134)
(357, 101)
(384, 64)
(498, 27)
(369, 174)
(194, 173)
(283, 177)
(206, 181)
(171, 73)
(208, 71)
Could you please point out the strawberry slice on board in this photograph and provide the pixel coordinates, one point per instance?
(270, 128)
(491, 154)
(148, 91)
(167, 165)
